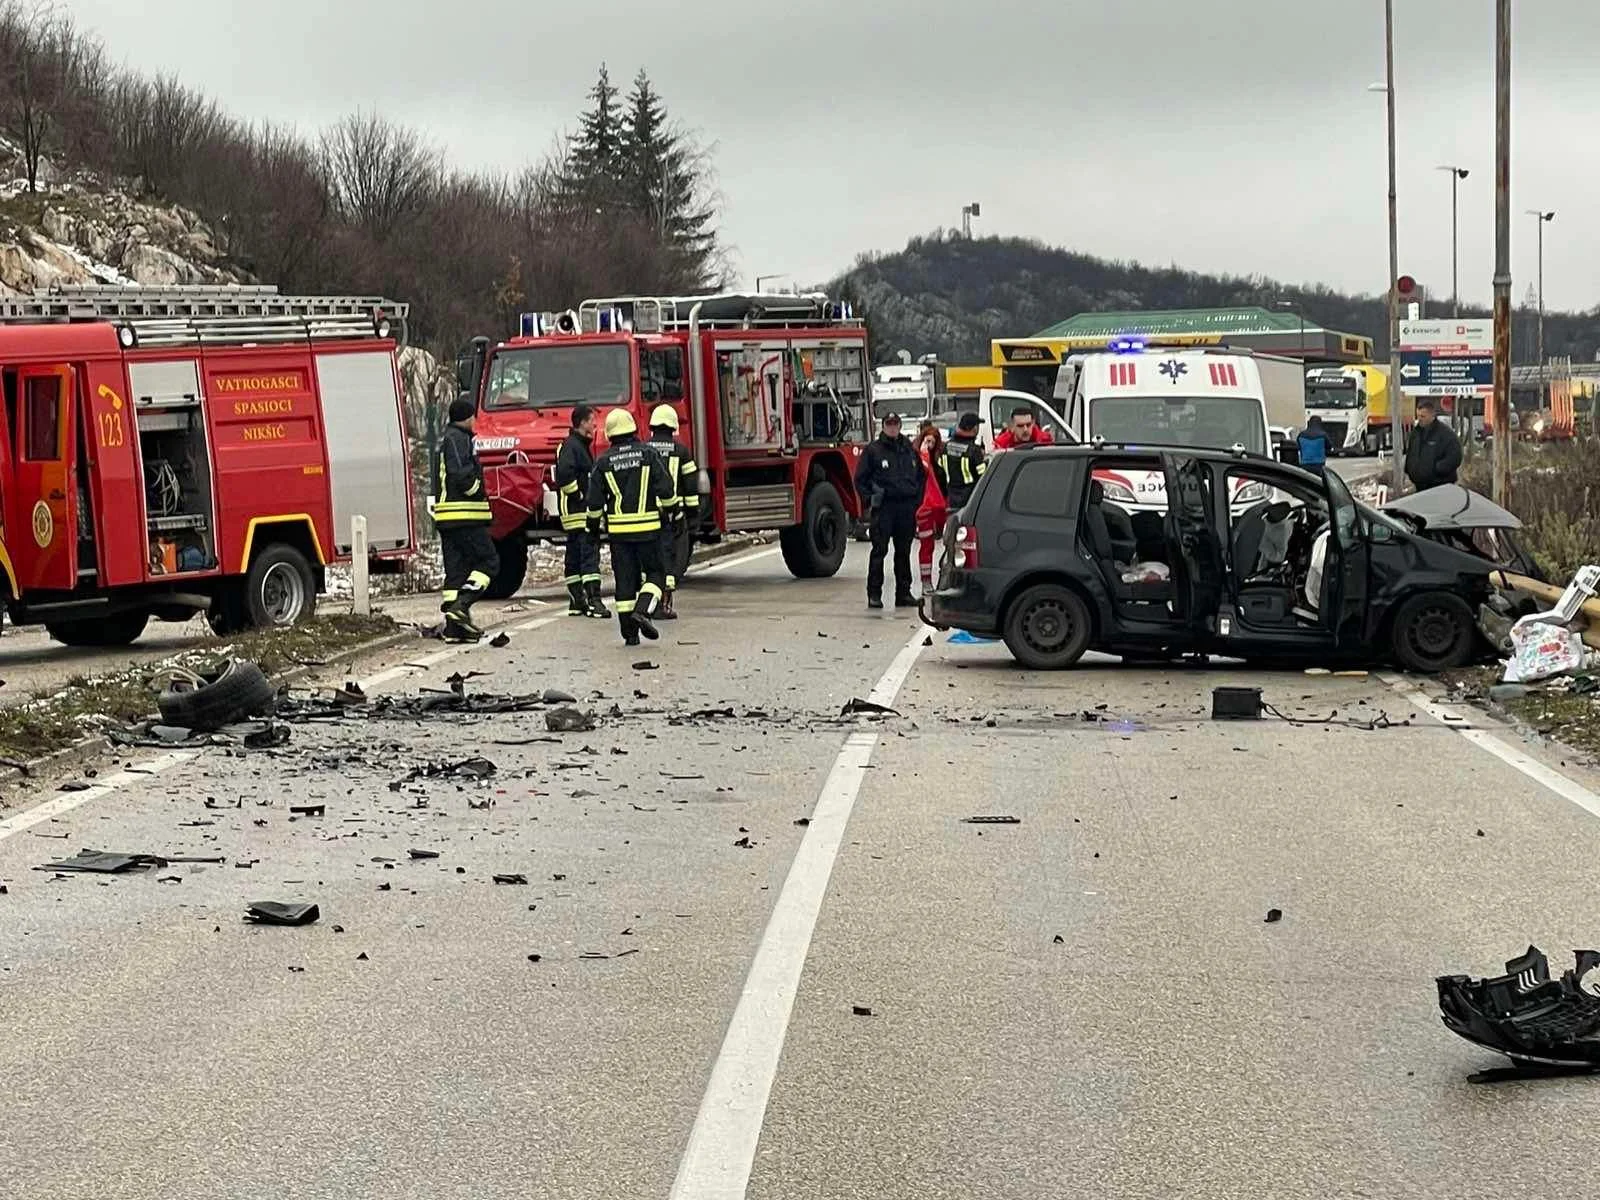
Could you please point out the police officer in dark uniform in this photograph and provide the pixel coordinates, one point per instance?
(627, 488)
(574, 462)
(683, 507)
(461, 514)
(890, 477)
(963, 463)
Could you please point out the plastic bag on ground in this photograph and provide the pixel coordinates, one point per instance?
(1541, 649)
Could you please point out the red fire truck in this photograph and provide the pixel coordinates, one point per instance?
(771, 394)
(168, 451)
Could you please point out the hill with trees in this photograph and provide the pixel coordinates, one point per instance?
(950, 295)
(625, 202)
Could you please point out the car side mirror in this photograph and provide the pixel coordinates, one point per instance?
(1377, 531)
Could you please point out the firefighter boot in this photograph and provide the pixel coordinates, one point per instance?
(597, 606)
(577, 602)
(630, 631)
(642, 613)
(666, 612)
(458, 629)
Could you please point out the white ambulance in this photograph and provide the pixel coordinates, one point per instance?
(1138, 396)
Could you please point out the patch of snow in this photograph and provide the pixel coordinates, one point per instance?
(103, 272)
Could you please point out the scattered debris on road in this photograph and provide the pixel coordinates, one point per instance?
(274, 912)
(860, 1010)
(511, 878)
(106, 862)
(476, 767)
(308, 810)
(569, 720)
(994, 820)
(859, 707)
(1274, 915)
(1236, 704)
(1527, 1016)
(423, 854)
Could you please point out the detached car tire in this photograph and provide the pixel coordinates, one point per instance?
(814, 549)
(234, 691)
(1433, 632)
(513, 570)
(1048, 627)
(119, 629)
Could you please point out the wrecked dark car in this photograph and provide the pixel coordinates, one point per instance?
(1469, 521)
(1251, 559)
(1527, 1016)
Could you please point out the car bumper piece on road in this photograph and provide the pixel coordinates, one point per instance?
(1526, 1015)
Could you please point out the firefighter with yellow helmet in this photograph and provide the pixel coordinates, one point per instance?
(627, 491)
(679, 511)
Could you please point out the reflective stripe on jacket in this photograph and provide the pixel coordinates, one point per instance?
(458, 495)
(963, 466)
(627, 489)
(681, 470)
(574, 462)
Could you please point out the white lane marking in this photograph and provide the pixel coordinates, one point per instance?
(734, 560)
(65, 802)
(722, 1145)
(1460, 721)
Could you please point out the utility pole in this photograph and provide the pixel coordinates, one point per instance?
(1464, 404)
(1396, 405)
(1543, 219)
(1501, 477)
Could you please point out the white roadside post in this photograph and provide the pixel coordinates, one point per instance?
(361, 599)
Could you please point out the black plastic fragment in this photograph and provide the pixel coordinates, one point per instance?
(500, 641)
(511, 878)
(1274, 915)
(416, 854)
(104, 862)
(273, 912)
(568, 720)
(308, 810)
(994, 820)
(869, 707)
(1527, 1016)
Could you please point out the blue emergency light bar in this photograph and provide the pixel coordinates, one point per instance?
(1125, 345)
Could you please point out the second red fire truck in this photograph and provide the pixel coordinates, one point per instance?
(771, 393)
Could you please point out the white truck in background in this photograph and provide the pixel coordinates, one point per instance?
(904, 388)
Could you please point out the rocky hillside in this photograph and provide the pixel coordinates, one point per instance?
(78, 228)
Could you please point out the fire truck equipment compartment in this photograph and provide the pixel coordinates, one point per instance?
(366, 455)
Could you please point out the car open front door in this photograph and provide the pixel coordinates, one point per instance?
(42, 505)
(1345, 567)
(1192, 535)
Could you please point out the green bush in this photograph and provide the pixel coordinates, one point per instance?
(1555, 489)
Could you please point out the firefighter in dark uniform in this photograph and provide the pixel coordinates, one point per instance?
(679, 512)
(574, 462)
(890, 479)
(461, 513)
(627, 488)
(963, 463)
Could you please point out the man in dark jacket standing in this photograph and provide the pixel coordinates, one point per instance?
(574, 462)
(1434, 455)
(890, 480)
(963, 461)
(1313, 446)
(461, 514)
(627, 488)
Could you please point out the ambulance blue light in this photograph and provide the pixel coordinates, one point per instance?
(1125, 345)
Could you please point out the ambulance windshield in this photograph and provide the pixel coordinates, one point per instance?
(1206, 422)
(560, 376)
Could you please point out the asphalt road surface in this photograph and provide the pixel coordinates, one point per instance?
(774, 960)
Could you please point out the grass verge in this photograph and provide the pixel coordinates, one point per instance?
(55, 720)
(1566, 717)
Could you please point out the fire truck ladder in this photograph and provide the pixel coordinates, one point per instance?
(227, 314)
(726, 310)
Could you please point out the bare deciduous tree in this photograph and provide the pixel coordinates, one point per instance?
(380, 174)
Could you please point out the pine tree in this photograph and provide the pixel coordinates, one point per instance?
(598, 163)
(666, 179)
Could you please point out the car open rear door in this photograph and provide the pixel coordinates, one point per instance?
(1192, 535)
(43, 504)
(1345, 565)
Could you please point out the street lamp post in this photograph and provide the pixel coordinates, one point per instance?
(1396, 408)
(1543, 219)
(1456, 175)
(1501, 475)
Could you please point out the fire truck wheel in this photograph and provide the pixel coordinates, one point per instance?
(230, 691)
(119, 629)
(280, 588)
(513, 570)
(814, 549)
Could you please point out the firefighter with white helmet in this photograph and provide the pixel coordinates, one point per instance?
(684, 504)
(627, 490)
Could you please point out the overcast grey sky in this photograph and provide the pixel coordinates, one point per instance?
(1223, 135)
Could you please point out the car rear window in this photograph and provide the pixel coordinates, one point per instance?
(1042, 487)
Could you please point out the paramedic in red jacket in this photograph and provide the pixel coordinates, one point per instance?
(935, 508)
(1023, 431)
